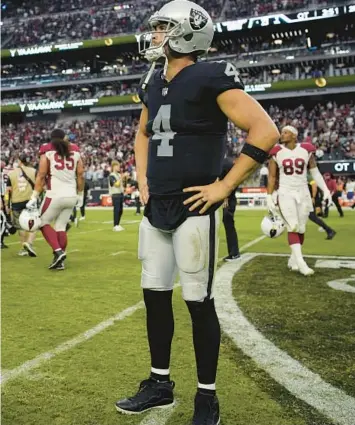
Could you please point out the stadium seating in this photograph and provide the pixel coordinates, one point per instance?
(328, 126)
(44, 22)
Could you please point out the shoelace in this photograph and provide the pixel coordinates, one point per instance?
(143, 388)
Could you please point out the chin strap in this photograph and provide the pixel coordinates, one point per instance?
(151, 70)
(149, 74)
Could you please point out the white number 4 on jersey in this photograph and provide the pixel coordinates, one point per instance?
(231, 71)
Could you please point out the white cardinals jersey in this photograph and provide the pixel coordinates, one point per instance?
(293, 165)
(61, 178)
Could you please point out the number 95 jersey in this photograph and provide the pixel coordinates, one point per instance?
(187, 129)
(61, 178)
(293, 165)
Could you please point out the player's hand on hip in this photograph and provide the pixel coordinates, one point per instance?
(143, 191)
(271, 205)
(206, 196)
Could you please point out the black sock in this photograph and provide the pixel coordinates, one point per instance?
(207, 338)
(160, 328)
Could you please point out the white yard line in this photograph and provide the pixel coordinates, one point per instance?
(37, 361)
(288, 372)
(117, 253)
(248, 245)
(71, 236)
(73, 250)
(31, 364)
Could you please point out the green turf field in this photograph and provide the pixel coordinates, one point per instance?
(76, 376)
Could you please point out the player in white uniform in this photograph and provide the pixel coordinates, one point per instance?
(291, 162)
(61, 170)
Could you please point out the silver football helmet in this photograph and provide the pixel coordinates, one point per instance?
(189, 29)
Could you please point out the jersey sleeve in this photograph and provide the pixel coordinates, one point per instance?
(45, 148)
(74, 148)
(224, 76)
(274, 151)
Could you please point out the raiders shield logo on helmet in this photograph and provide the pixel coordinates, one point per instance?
(197, 19)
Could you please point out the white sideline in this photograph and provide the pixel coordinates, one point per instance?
(31, 364)
(87, 231)
(288, 372)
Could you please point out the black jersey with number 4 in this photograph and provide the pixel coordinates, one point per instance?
(187, 129)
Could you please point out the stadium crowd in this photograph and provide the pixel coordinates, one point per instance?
(43, 22)
(330, 127)
(82, 24)
(237, 8)
(74, 92)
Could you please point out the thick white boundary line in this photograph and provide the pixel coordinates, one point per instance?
(296, 378)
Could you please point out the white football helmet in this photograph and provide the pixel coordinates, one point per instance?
(190, 29)
(272, 226)
(30, 220)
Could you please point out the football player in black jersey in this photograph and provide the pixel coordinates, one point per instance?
(179, 149)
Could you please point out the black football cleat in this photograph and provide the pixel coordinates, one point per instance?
(59, 257)
(206, 409)
(3, 246)
(151, 394)
(59, 266)
(331, 235)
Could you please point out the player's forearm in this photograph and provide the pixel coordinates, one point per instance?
(141, 154)
(245, 165)
(241, 170)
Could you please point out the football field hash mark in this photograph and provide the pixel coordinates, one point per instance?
(118, 253)
(288, 372)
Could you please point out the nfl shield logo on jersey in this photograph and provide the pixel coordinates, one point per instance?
(164, 91)
(197, 19)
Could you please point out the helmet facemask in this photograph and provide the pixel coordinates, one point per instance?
(152, 52)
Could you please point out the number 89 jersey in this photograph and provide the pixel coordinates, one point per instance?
(293, 165)
(187, 129)
(61, 178)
